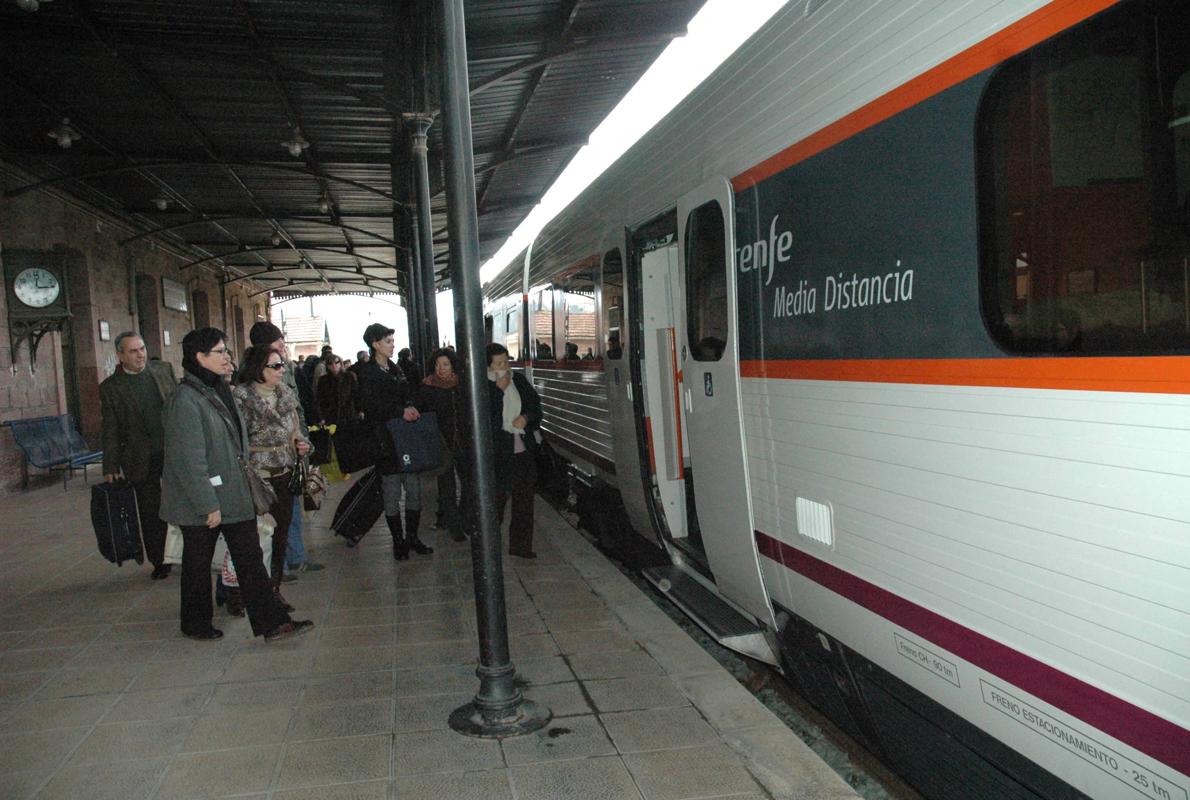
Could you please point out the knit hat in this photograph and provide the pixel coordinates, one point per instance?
(375, 332)
(265, 333)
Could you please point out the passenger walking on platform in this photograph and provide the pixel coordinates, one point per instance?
(205, 492)
(276, 440)
(385, 394)
(515, 409)
(296, 559)
(338, 394)
(409, 366)
(131, 403)
(442, 393)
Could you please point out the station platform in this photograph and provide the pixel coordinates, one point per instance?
(101, 696)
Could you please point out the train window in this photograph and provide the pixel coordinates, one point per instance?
(706, 283)
(541, 323)
(613, 303)
(512, 335)
(579, 331)
(1084, 146)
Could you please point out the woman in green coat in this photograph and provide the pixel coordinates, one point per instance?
(204, 491)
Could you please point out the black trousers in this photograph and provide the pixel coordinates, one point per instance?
(454, 504)
(148, 502)
(264, 613)
(282, 512)
(520, 485)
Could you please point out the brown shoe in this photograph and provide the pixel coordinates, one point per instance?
(235, 601)
(287, 629)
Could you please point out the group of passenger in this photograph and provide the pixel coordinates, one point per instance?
(208, 452)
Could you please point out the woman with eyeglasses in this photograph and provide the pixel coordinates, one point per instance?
(204, 491)
(276, 441)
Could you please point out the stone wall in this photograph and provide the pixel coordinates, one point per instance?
(119, 285)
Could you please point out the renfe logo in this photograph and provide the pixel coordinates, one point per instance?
(839, 292)
(765, 253)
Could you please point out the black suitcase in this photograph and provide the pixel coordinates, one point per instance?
(359, 509)
(417, 445)
(116, 520)
(355, 445)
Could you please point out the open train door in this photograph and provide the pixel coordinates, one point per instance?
(709, 361)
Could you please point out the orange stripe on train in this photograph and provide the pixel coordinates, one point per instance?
(1016, 38)
(1152, 374)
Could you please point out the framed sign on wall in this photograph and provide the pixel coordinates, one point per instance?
(173, 295)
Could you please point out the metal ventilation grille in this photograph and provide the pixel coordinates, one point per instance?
(814, 521)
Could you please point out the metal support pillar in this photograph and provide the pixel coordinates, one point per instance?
(419, 125)
(414, 296)
(498, 709)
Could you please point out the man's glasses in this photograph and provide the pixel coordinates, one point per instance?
(276, 365)
(219, 351)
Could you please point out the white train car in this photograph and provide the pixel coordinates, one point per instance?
(880, 343)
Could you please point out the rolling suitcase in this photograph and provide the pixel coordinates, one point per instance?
(116, 520)
(417, 445)
(359, 509)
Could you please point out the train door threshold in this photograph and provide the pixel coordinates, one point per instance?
(714, 615)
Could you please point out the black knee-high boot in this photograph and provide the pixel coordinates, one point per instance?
(400, 543)
(412, 520)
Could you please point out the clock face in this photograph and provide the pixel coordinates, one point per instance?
(36, 287)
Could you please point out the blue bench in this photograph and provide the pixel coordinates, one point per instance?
(53, 443)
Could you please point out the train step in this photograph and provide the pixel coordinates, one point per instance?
(712, 613)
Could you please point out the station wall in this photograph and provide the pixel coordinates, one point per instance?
(119, 285)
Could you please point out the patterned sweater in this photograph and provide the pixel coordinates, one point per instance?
(273, 423)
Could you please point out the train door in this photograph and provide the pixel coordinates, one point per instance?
(622, 394)
(711, 394)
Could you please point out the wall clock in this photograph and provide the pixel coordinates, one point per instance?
(35, 288)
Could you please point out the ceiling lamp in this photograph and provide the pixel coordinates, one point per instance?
(162, 201)
(276, 240)
(62, 133)
(30, 5)
(324, 204)
(296, 144)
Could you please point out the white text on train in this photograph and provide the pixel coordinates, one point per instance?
(766, 253)
(840, 292)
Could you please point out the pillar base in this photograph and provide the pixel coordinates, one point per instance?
(527, 718)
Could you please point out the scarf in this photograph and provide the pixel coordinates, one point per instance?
(221, 387)
(512, 410)
(438, 383)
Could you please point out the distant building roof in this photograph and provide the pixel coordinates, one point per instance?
(305, 330)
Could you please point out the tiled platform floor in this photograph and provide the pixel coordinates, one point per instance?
(101, 697)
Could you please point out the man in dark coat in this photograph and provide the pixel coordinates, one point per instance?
(131, 402)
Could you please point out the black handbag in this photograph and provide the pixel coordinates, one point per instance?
(417, 445)
(356, 445)
(320, 442)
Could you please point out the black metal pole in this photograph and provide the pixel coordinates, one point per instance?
(498, 708)
(413, 299)
(419, 125)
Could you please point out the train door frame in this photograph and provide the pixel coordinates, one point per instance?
(714, 419)
(623, 393)
(655, 233)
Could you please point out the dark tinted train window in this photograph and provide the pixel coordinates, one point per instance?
(706, 283)
(613, 304)
(1084, 145)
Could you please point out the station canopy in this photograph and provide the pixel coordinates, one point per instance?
(271, 138)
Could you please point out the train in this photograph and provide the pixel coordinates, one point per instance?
(874, 356)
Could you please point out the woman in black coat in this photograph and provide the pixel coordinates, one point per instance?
(385, 395)
(442, 393)
(338, 394)
(516, 418)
